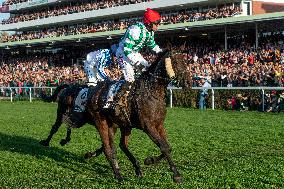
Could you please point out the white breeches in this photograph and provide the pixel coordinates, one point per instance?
(128, 65)
(93, 68)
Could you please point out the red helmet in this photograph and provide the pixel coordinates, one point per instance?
(151, 16)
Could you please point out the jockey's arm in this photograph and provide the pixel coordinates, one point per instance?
(153, 46)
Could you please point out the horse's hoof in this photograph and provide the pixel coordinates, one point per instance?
(138, 173)
(63, 142)
(88, 155)
(44, 143)
(178, 179)
(119, 178)
(149, 161)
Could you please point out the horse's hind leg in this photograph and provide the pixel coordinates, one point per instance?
(153, 159)
(165, 149)
(53, 130)
(68, 137)
(125, 133)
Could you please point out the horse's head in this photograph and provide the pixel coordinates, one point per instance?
(171, 66)
(177, 68)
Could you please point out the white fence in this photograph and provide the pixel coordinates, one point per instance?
(262, 89)
(31, 91)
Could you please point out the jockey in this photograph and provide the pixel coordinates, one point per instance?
(96, 63)
(135, 38)
(94, 67)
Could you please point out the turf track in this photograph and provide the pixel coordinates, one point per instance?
(212, 149)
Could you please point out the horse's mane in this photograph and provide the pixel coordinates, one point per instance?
(153, 65)
(161, 57)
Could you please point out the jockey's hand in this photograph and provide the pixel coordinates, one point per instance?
(157, 49)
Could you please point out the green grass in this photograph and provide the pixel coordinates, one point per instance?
(212, 149)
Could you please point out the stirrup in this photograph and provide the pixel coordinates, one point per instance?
(108, 102)
(91, 84)
(107, 105)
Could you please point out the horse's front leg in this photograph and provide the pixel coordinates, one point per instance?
(165, 150)
(107, 136)
(100, 150)
(156, 159)
(67, 138)
(125, 133)
(53, 130)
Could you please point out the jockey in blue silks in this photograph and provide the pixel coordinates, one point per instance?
(96, 63)
(94, 67)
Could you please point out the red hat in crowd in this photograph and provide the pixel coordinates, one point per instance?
(151, 16)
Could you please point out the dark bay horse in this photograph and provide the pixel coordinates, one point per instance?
(143, 108)
(66, 95)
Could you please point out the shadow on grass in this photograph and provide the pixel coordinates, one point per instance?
(29, 146)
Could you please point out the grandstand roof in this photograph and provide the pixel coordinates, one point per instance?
(264, 20)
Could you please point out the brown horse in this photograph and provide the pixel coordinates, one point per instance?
(66, 95)
(143, 108)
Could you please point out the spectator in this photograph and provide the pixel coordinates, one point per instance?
(203, 93)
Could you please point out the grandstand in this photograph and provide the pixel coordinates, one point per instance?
(30, 20)
(43, 35)
(35, 22)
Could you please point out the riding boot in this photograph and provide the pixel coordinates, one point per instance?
(123, 93)
(113, 99)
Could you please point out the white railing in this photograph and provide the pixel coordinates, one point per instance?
(12, 91)
(15, 91)
(170, 88)
(238, 88)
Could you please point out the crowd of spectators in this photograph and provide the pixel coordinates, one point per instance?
(237, 67)
(83, 5)
(11, 2)
(70, 8)
(240, 67)
(110, 25)
(37, 71)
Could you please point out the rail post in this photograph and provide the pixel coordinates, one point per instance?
(213, 99)
(11, 95)
(262, 91)
(171, 98)
(30, 89)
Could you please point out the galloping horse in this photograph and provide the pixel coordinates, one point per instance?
(143, 108)
(66, 95)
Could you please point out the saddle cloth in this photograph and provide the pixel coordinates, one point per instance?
(81, 100)
(82, 97)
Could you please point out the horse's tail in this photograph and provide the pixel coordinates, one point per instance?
(54, 96)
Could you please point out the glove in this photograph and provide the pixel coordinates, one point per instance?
(157, 49)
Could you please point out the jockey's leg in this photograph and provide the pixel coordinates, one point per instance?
(90, 69)
(128, 73)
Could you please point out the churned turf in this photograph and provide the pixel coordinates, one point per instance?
(212, 149)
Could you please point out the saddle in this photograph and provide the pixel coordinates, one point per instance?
(118, 92)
